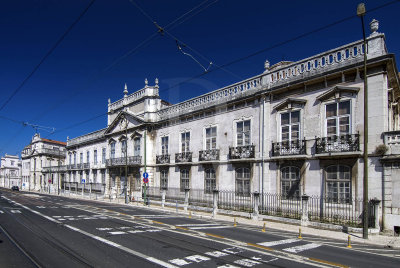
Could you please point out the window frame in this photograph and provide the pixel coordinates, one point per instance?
(136, 146)
(290, 125)
(245, 182)
(164, 145)
(243, 133)
(337, 117)
(292, 183)
(208, 141)
(164, 178)
(339, 189)
(184, 181)
(185, 142)
(210, 183)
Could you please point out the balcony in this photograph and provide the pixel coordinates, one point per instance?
(209, 155)
(86, 165)
(338, 144)
(242, 152)
(163, 159)
(287, 148)
(120, 161)
(183, 157)
(72, 167)
(53, 152)
(54, 169)
(392, 141)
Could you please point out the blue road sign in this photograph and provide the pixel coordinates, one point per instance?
(83, 181)
(145, 180)
(145, 175)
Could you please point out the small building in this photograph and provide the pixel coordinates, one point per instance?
(37, 159)
(10, 171)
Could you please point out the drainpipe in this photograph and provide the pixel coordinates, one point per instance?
(262, 153)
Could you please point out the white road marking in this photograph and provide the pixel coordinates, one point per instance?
(15, 211)
(279, 242)
(1, 212)
(104, 229)
(301, 248)
(199, 224)
(209, 227)
(116, 233)
(40, 207)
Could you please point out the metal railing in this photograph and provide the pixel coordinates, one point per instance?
(163, 159)
(231, 200)
(183, 157)
(209, 155)
(342, 143)
(241, 152)
(285, 148)
(120, 161)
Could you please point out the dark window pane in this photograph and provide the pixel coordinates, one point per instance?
(344, 107)
(285, 119)
(295, 118)
(331, 110)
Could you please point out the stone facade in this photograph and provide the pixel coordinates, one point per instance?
(295, 129)
(42, 162)
(10, 171)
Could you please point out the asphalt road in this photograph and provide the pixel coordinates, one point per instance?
(52, 231)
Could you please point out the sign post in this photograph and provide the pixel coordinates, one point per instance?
(145, 181)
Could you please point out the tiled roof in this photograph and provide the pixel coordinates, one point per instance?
(53, 141)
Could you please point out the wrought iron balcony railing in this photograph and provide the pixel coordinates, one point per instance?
(334, 144)
(296, 147)
(209, 155)
(86, 165)
(163, 159)
(120, 161)
(71, 166)
(183, 157)
(241, 152)
(54, 169)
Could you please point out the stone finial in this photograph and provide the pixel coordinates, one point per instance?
(374, 26)
(156, 82)
(67, 138)
(125, 91)
(146, 83)
(109, 101)
(266, 66)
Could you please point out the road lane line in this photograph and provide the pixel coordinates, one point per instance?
(279, 242)
(1, 212)
(301, 248)
(198, 224)
(328, 262)
(209, 227)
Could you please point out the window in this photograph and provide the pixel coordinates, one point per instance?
(138, 181)
(243, 181)
(243, 133)
(123, 148)
(338, 118)
(164, 145)
(184, 179)
(185, 142)
(95, 156)
(211, 138)
(290, 181)
(81, 158)
(136, 147)
(103, 155)
(103, 176)
(87, 157)
(164, 179)
(12, 163)
(210, 181)
(112, 151)
(95, 175)
(290, 126)
(70, 159)
(74, 158)
(338, 187)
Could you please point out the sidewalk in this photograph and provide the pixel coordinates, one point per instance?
(385, 241)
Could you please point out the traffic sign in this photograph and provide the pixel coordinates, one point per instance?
(145, 175)
(83, 181)
(145, 180)
(49, 181)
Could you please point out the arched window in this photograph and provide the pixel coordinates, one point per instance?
(164, 178)
(338, 183)
(184, 179)
(210, 181)
(243, 181)
(290, 181)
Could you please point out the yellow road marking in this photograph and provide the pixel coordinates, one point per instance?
(183, 228)
(328, 262)
(259, 246)
(214, 235)
(158, 222)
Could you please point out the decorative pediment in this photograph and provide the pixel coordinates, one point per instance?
(338, 92)
(136, 134)
(119, 122)
(290, 103)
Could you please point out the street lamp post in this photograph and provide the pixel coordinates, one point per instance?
(48, 181)
(361, 13)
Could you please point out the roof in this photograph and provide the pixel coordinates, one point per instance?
(53, 141)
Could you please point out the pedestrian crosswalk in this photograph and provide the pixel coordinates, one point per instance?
(293, 249)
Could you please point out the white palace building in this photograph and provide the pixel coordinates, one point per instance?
(295, 129)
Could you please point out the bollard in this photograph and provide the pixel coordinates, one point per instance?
(190, 214)
(263, 229)
(234, 222)
(349, 241)
(299, 237)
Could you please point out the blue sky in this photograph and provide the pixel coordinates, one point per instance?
(75, 81)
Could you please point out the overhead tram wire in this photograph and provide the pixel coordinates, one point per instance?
(172, 24)
(163, 30)
(47, 55)
(277, 45)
